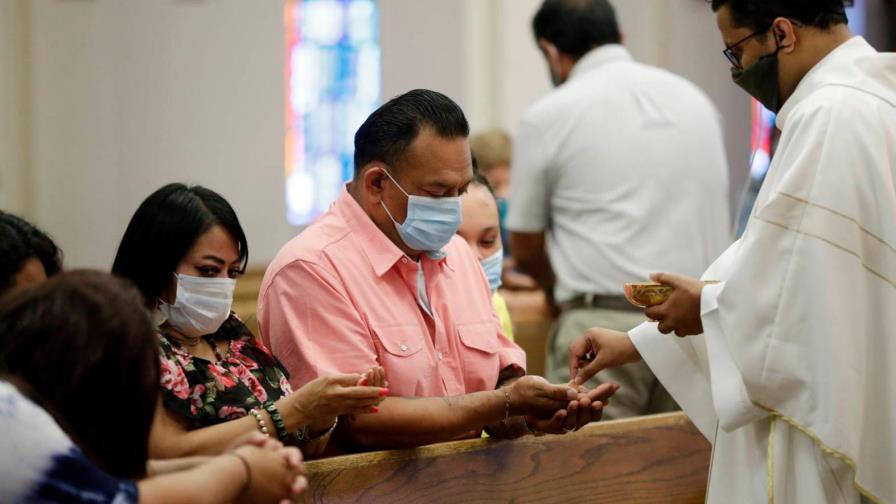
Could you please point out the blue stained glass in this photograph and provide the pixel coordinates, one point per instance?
(333, 85)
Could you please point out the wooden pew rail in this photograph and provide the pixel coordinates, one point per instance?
(661, 458)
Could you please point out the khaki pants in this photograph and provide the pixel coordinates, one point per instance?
(640, 393)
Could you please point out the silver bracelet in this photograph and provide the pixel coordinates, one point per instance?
(262, 426)
(506, 404)
(302, 434)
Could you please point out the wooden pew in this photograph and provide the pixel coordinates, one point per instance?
(661, 458)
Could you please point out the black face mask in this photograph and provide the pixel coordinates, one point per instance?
(760, 80)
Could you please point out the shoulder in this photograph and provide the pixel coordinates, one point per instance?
(551, 107)
(309, 254)
(311, 244)
(840, 112)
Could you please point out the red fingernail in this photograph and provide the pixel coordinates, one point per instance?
(384, 392)
(374, 409)
(364, 381)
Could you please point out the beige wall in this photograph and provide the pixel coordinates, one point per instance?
(104, 101)
(130, 95)
(14, 183)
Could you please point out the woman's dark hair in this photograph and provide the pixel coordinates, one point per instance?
(759, 14)
(388, 132)
(85, 348)
(576, 26)
(162, 231)
(20, 241)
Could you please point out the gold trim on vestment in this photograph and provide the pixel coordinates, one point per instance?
(831, 243)
(771, 460)
(838, 214)
(821, 444)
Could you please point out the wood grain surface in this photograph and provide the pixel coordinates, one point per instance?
(661, 458)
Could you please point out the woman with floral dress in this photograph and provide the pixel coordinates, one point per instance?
(184, 248)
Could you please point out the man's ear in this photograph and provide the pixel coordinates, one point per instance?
(549, 49)
(374, 180)
(785, 34)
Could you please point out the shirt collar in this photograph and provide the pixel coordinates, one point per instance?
(597, 57)
(823, 73)
(379, 249)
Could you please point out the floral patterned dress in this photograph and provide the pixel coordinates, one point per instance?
(206, 393)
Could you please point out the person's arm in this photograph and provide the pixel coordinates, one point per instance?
(313, 335)
(254, 473)
(187, 486)
(169, 437)
(529, 211)
(406, 422)
(530, 252)
(315, 405)
(157, 467)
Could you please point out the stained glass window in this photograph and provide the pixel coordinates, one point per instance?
(332, 85)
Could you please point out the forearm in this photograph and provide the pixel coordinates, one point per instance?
(219, 480)
(160, 467)
(407, 422)
(294, 418)
(171, 440)
(530, 253)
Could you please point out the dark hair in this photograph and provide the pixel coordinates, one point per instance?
(164, 228)
(576, 26)
(759, 14)
(392, 128)
(478, 178)
(85, 350)
(20, 241)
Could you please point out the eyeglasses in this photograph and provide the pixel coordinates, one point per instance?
(729, 51)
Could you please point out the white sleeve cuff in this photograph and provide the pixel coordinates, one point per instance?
(732, 401)
(677, 366)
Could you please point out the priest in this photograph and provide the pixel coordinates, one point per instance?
(786, 361)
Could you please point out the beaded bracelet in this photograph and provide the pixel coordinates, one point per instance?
(272, 410)
(262, 426)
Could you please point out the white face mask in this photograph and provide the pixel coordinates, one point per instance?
(201, 305)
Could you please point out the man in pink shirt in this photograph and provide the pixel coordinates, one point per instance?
(382, 280)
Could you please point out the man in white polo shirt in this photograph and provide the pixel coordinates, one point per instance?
(618, 172)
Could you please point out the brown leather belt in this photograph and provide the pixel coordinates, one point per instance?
(586, 301)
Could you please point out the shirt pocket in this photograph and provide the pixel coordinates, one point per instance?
(479, 344)
(402, 354)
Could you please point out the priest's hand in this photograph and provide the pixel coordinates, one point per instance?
(599, 349)
(681, 312)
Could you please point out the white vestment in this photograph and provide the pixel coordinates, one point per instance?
(794, 378)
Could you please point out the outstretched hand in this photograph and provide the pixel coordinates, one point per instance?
(599, 349)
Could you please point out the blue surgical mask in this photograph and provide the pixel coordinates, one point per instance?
(493, 266)
(430, 223)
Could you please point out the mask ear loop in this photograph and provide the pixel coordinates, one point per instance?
(383, 203)
(396, 183)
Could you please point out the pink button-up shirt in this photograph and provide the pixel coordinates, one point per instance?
(342, 298)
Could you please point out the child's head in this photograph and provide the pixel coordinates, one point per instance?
(480, 227)
(480, 224)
